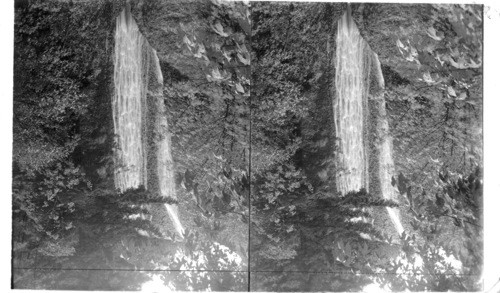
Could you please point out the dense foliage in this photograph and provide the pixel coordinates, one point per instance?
(67, 215)
(433, 90)
(248, 92)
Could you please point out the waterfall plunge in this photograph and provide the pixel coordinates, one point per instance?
(354, 61)
(135, 62)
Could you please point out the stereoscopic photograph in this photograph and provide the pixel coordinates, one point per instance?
(175, 145)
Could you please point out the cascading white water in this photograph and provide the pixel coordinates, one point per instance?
(353, 66)
(128, 103)
(349, 108)
(165, 164)
(135, 60)
(386, 164)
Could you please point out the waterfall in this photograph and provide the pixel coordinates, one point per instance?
(355, 62)
(128, 104)
(386, 164)
(165, 164)
(142, 138)
(349, 108)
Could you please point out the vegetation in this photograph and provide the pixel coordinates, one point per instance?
(68, 219)
(248, 92)
(435, 123)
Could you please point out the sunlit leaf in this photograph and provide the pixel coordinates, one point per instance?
(473, 64)
(226, 55)
(243, 59)
(400, 45)
(462, 96)
(216, 74)
(431, 32)
(187, 41)
(239, 88)
(428, 78)
(451, 91)
(217, 27)
(201, 52)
